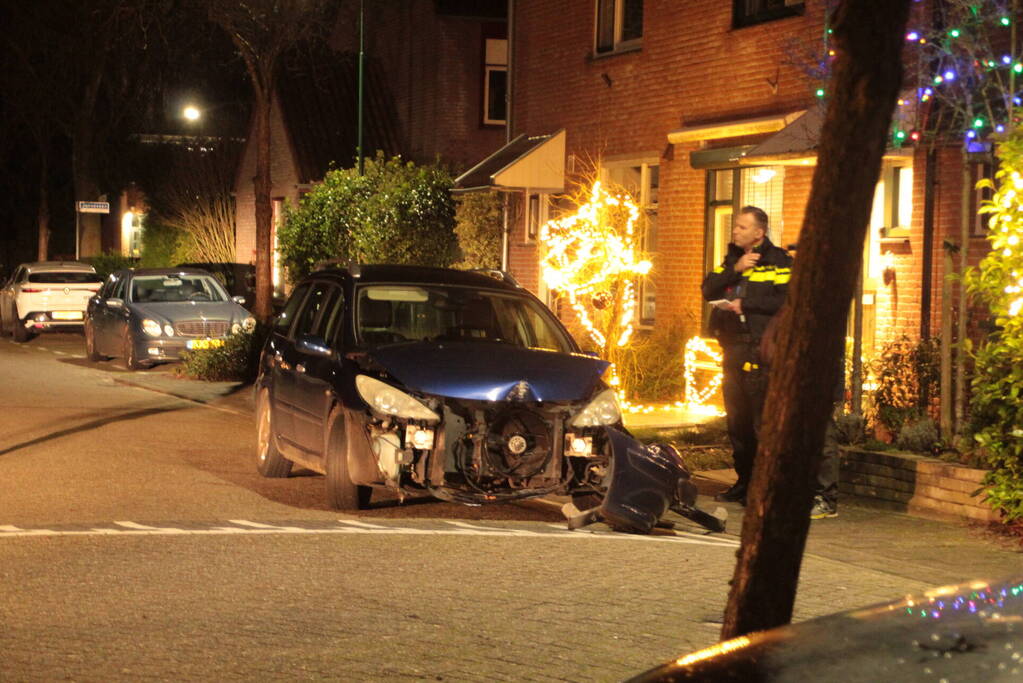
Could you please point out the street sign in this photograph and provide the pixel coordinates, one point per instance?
(93, 207)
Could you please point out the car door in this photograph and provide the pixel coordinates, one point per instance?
(107, 317)
(292, 362)
(281, 378)
(315, 364)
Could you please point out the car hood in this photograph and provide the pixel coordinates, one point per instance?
(191, 310)
(491, 372)
(957, 633)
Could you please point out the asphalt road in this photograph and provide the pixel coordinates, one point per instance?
(137, 541)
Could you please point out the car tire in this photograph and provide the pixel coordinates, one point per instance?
(19, 332)
(342, 493)
(90, 344)
(128, 357)
(269, 461)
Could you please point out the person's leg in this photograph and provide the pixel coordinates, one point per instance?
(738, 418)
(825, 489)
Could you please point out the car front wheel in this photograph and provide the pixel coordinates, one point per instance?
(269, 460)
(342, 493)
(128, 353)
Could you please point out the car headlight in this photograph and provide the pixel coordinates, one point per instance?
(249, 324)
(168, 330)
(386, 399)
(151, 327)
(602, 410)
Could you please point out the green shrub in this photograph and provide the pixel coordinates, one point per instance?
(236, 361)
(110, 261)
(919, 436)
(997, 387)
(906, 376)
(478, 225)
(161, 245)
(396, 212)
(651, 367)
(850, 429)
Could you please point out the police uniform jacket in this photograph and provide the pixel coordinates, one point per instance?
(762, 289)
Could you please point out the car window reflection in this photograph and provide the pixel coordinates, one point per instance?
(393, 314)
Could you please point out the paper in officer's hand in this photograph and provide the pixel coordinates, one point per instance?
(723, 304)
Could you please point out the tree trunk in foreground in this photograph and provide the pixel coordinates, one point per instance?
(867, 74)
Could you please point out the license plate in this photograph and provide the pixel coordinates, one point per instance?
(204, 343)
(66, 315)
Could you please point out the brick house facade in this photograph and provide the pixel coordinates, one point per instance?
(427, 68)
(676, 99)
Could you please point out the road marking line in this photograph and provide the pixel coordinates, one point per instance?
(135, 525)
(365, 525)
(474, 528)
(9, 531)
(260, 525)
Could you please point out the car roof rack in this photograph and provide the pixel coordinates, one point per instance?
(497, 274)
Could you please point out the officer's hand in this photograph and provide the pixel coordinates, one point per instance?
(735, 306)
(746, 261)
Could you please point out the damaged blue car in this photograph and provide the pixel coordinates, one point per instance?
(460, 385)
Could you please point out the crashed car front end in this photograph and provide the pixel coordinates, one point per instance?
(467, 448)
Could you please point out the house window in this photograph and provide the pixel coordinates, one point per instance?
(979, 171)
(495, 82)
(619, 25)
(893, 202)
(276, 276)
(730, 189)
(534, 214)
(642, 180)
(131, 234)
(749, 12)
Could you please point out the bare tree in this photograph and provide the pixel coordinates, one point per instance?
(869, 35)
(262, 30)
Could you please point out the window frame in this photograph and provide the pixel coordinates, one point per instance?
(491, 64)
(618, 43)
(743, 17)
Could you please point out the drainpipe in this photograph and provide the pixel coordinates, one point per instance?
(928, 246)
(506, 227)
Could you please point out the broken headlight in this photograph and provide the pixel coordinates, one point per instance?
(388, 400)
(601, 411)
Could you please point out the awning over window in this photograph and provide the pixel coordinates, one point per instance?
(534, 163)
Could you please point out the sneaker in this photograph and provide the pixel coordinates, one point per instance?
(822, 509)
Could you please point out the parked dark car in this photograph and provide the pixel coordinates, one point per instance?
(968, 632)
(150, 315)
(427, 381)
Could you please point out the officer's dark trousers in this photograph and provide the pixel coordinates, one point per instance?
(744, 387)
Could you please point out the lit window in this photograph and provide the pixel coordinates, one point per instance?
(619, 24)
(749, 12)
(533, 216)
(495, 82)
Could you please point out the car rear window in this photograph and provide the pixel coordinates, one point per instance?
(64, 278)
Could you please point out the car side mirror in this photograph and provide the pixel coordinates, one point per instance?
(115, 303)
(311, 344)
(240, 300)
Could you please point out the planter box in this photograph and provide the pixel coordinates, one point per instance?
(914, 484)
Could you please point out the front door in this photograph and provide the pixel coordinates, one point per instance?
(313, 373)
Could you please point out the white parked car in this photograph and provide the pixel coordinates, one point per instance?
(46, 295)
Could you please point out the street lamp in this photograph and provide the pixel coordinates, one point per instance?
(191, 113)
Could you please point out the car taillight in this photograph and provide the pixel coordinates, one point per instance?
(32, 290)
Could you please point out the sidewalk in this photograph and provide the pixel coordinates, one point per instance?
(929, 550)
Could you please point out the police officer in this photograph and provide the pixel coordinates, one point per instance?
(746, 291)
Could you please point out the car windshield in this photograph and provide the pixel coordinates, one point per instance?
(64, 277)
(389, 314)
(180, 287)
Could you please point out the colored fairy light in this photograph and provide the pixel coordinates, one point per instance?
(1004, 21)
(1000, 128)
(1006, 59)
(913, 36)
(978, 122)
(954, 33)
(915, 135)
(938, 80)
(900, 135)
(820, 92)
(970, 134)
(950, 75)
(928, 91)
